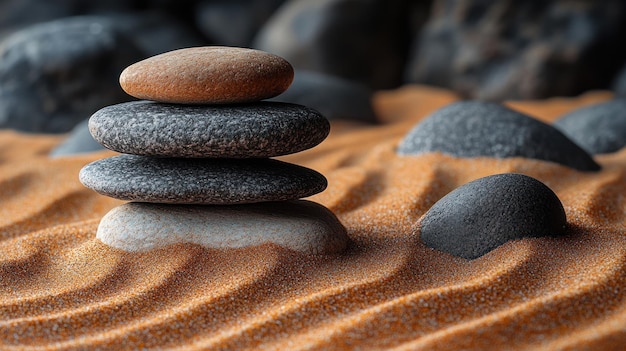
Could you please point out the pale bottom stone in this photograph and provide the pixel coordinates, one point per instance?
(298, 225)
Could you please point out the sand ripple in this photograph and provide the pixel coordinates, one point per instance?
(62, 289)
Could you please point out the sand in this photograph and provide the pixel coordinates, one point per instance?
(62, 289)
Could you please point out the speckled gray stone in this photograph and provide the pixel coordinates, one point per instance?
(298, 225)
(200, 181)
(262, 129)
(599, 128)
(475, 129)
(483, 214)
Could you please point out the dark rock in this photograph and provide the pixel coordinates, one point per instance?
(599, 128)
(263, 129)
(333, 97)
(79, 141)
(619, 84)
(481, 215)
(364, 41)
(233, 22)
(19, 14)
(499, 50)
(475, 129)
(200, 181)
(55, 74)
(156, 32)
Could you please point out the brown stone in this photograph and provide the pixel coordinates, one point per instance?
(208, 75)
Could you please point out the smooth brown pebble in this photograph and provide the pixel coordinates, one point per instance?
(208, 75)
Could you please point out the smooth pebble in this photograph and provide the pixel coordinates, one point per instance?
(481, 215)
(299, 225)
(200, 181)
(599, 128)
(208, 75)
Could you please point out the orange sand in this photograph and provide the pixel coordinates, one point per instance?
(61, 289)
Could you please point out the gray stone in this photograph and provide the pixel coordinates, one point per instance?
(156, 32)
(498, 50)
(619, 83)
(483, 129)
(599, 128)
(200, 181)
(334, 97)
(363, 41)
(233, 22)
(300, 225)
(483, 214)
(55, 74)
(79, 141)
(262, 129)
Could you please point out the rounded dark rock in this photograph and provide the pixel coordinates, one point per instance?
(200, 181)
(79, 141)
(54, 74)
(481, 215)
(262, 129)
(599, 128)
(358, 40)
(484, 129)
(334, 97)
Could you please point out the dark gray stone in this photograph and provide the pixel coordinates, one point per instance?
(156, 32)
(55, 74)
(599, 128)
(233, 22)
(619, 83)
(497, 50)
(481, 215)
(262, 129)
(333, 97)
(365, 41)
(200, 181)
(79, 141)
(484, 129)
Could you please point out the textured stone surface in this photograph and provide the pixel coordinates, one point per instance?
(55, 74)
(481, 215)
(200, 181)
(332, 96)
(261, 129)
(475, 129)
(363, 41)
(296, 225)
(599, 129)
(79, 141)
(500, 50)
(211, 74)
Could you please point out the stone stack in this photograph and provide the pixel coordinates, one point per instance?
(196, 156)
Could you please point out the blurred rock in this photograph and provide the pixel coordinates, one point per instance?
(233, 22)
(56, 74)
(619, 84)
(334, 97)
(156, 32)
(79, 141)
(520, 50)
(364, 41)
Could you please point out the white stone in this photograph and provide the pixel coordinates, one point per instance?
(298, 225)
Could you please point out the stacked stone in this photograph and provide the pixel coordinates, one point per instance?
(202, 136)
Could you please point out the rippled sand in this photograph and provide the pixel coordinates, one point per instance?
(61, 289)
